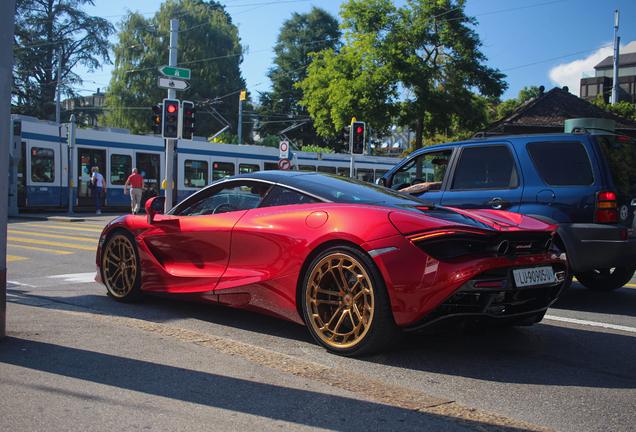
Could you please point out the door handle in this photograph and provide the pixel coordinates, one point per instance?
(499, 204)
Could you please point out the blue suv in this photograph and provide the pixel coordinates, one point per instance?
(584, 182)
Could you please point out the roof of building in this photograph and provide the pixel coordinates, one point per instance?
(553, 108)
(626, 57)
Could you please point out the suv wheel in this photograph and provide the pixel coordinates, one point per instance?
(605, 279)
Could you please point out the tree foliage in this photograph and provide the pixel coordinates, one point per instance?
(418, 65)
(508, 106)
(48, 33)
(208, 44)
(299, 36)
(622, 108)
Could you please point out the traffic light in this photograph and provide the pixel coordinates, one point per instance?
(357, 137)
(187, 120)
(347, 136)
(170, 118)
(157, 114)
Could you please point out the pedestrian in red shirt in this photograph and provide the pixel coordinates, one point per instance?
(136, 187)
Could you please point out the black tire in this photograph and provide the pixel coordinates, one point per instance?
(346, 304)
(605, 279)
(120, 268)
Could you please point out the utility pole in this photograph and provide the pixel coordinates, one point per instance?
(617, 41)
(172, 94)
(72, 135)
(59, 73)
(6, 62)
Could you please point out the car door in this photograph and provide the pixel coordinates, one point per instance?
(484, 176)
(195, 239)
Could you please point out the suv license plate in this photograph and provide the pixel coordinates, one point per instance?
(534, 276)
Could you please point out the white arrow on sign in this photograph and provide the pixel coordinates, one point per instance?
(172, 83)
(284, 164)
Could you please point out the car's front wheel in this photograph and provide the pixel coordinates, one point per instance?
(605, 279)
(120, 267)
(346, 304)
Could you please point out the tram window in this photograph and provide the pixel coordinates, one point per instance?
(270, 166)
(195, 173)
(248, 168)
(327, 169)
(344, 172)
(365, 174)
(306, 168)
(380, 173)
(221, 170)
(42, 165)
(120, 168)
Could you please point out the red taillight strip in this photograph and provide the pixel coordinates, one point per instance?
(606, 207)
(423, 236)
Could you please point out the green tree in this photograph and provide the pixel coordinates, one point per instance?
(419, 65)
(208, 44)
(508, 106)
(299, 36)
(622, 108)
(48, 33)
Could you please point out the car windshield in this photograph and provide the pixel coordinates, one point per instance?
(340, 189)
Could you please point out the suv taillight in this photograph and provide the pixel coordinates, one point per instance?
(606, 207)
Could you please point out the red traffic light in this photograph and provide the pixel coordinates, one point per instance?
(360, 129)
(172, 108)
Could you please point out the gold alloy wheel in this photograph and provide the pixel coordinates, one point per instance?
(340, 300)
(120, 266)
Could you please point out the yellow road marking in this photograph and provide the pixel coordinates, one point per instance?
(94, 239)
(48, 243)
(15, 258)
(57, 226)
(42, 249)
(631, 285)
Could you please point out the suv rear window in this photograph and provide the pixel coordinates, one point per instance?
(562, 163)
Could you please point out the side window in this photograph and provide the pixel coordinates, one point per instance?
(306, 168)
(225, 198)
(221, 170)
(345, 172)
(365, 174)
(120, 168)
(248, 168)
(280, 196)
(42, 165)
(487, 167)
(561, 163)
(428, 167)
(327, 169)
(270, 166)
(195, 173)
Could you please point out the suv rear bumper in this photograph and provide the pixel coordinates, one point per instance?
(597, 246)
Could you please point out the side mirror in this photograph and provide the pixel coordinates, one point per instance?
(381, 181)
(153, 206)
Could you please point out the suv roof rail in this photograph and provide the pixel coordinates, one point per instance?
(482, 135)
(581, 130)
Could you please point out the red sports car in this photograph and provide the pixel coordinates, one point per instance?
(357, 263)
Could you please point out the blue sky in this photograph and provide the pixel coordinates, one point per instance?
(534, 42)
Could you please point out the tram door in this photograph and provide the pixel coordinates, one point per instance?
(22, 176)
(148, 165)
(86, 159)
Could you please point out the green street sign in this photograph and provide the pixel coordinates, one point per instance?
(176, 72)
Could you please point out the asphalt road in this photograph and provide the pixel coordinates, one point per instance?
(574, 371)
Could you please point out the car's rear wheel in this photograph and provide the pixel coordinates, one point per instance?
(605, 279)
(120, 268)
(346, 304)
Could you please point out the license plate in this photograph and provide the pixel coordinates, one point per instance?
(534, 276)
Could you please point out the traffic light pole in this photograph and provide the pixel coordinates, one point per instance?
(172, 94)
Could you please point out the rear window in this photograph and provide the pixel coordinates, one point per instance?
(620, 154)
(562, 163)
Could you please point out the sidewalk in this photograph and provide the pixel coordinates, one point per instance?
(68, 368)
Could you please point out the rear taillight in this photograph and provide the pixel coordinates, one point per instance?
(606, 209)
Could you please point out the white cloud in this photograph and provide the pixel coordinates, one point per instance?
(570, 74)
